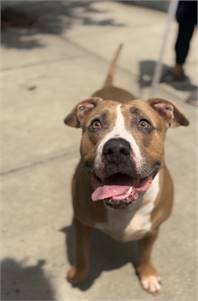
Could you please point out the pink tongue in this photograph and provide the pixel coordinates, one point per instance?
(117, 192)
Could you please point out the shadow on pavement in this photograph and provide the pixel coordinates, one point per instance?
(22, 22)
(146, 72)
(105, 254)
(19, 282)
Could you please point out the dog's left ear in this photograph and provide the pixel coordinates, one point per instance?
(81, 110)
(169, 112)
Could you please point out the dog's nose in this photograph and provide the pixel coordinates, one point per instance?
(116, 150)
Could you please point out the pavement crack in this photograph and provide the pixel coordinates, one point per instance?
(39, 63)
(37, 163)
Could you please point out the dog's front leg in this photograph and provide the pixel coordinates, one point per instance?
(148, 275)
(79, 271)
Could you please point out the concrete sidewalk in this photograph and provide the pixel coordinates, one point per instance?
(45, 71)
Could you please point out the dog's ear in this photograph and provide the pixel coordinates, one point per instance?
(81, 110)
(169, 112)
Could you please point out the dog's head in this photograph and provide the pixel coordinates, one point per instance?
(123, 143)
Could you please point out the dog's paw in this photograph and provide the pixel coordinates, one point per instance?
(151, 284)
(75, 276)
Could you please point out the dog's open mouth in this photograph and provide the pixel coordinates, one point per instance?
(120, 190)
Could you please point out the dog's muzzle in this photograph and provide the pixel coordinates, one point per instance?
(120, 183)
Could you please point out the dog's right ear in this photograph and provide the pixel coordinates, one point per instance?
(78, 114)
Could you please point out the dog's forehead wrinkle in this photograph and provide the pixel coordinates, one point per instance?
(135, 111)
(100, 115)
(145, 111)
(108, 108)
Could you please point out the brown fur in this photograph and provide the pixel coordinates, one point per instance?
(114, 93)
(88, 213)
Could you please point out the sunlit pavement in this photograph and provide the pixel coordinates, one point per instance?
(61, 59)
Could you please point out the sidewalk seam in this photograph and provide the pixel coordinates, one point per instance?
(34, 164)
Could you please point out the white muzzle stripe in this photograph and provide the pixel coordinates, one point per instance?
(120, 131)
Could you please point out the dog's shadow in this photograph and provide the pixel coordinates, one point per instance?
(105, 254)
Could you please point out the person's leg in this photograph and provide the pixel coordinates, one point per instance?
(186, 17)
(182, 45)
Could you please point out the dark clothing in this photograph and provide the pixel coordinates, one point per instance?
(186, 17)
(187, 11)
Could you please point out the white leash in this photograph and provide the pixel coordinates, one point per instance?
(158, 69)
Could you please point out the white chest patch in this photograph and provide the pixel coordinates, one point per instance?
(134, 221)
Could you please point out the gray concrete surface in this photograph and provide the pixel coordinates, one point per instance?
(45, 71)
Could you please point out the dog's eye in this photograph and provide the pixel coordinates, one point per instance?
(145, 125)
(96, 124)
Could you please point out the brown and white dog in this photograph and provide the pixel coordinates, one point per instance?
(121, 184)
